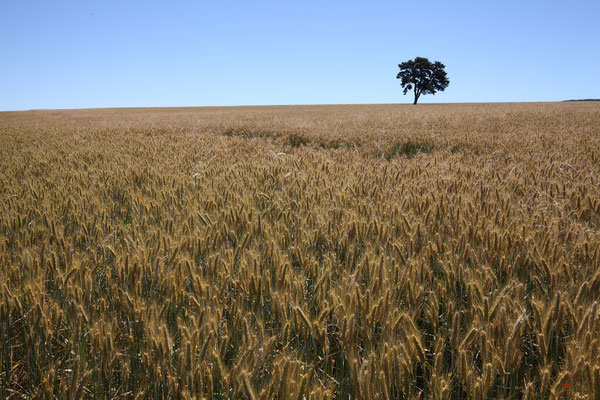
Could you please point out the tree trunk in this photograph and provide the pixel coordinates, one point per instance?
(417, 94)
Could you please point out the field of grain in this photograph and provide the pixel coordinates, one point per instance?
(308, 252)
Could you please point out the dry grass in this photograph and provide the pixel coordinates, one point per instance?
(376, 252)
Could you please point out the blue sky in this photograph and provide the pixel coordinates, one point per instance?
(88, 53)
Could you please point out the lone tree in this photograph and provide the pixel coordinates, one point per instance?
(422, 76)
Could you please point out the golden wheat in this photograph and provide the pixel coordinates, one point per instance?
(376, 252)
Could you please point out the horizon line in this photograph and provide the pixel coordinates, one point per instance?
(288, 105)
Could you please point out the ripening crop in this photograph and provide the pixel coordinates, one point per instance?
(309, 252)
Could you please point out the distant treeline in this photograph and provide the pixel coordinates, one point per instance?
(584, 100)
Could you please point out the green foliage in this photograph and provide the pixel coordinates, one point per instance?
(408, 149)
(297, 140)
(423, 77)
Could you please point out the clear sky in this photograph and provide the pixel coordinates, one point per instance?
(92, 53)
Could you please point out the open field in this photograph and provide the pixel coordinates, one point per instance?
(376, 252)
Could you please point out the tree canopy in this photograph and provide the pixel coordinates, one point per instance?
(423, 77)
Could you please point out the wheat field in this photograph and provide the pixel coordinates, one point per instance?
(302, 252)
